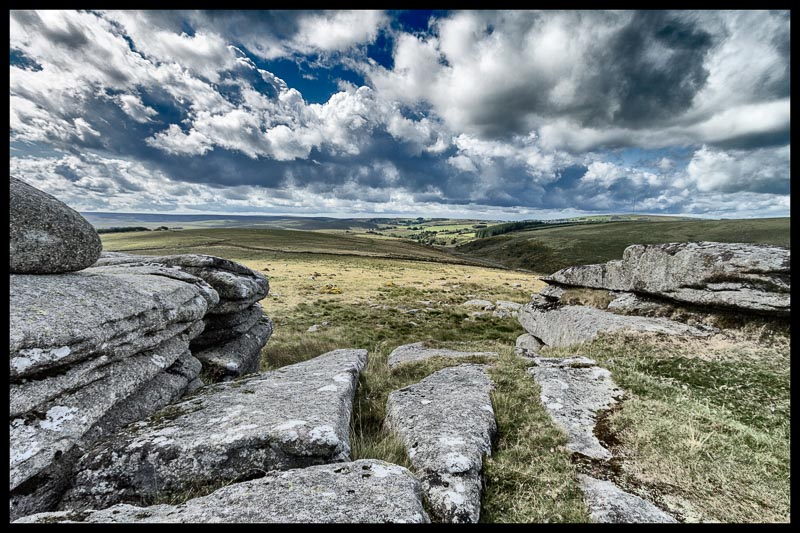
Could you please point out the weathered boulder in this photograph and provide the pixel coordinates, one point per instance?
(527, 345)
(751, 277)
(486, 305)
(295, 416)
(574, 391)
(47, 438)
(239, 356)
(58, 320)
(563, 325)
(418, 351)
(46, 236)
(446, 422)
(361, 491)
(611, 505)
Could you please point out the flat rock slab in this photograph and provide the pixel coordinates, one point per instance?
(46, 236)
(565, 325)
(418, 351)
(609, 504)
(573, 394)
(296, 416)
(239, 356)
(238, 287)
(361, 491)
(751, 277)
(61, 319)
(446, 422)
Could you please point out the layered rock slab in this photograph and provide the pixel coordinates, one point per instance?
(419, 351)
(235, 328)
(238, 356)
(611, 505)
(574, 391)
(447, 423)
(751, 277)
(367, 490)
(46, 440)
(238, 287)
(563, 325)
(46, 236)
(58, 320)
(292, 417)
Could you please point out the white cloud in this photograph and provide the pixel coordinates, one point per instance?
(738, 170)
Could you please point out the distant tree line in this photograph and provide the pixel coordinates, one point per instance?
(499, 229)
(124, 229)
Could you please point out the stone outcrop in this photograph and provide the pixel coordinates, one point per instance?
(90, 351)
(447, 423)
(235, 328)
(45, 235)
(574, 391)
(563, 325)
(94, 348)
(611, 505)
(745, 277)
(362, 491)
(295, 416)
(418, 351)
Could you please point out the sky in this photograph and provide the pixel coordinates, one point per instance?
(472, 114)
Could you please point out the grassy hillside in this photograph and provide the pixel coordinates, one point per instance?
(549, 249)
(214, 241)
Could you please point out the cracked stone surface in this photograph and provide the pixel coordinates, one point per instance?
(238, 356)
(418, 351)
(447, 423)
(123, 311)
(45, 235)
(361, 491)
(294, 416)
(553, 292)
(611, 505)
(574, 391)
(221, 328)
(751, 277)
(565, 325)
(47, 439)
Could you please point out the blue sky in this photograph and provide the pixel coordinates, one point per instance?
(488, 114)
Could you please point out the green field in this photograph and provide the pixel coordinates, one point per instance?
(551, 248)
(723, 401)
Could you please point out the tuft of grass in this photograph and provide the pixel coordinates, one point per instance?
(530, 476)
(598, 298)
(723, 402)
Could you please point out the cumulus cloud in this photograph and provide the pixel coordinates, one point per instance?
(510, 113)
(764, 170)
